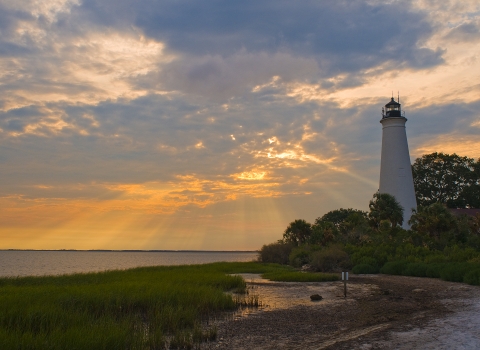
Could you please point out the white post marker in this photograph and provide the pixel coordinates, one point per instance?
(345, 279)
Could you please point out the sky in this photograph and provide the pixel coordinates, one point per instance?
(211, 125)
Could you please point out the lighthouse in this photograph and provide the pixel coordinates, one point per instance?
(395, 169)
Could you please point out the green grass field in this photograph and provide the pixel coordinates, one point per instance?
(140, 308)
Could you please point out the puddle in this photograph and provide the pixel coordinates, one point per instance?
(282, 295)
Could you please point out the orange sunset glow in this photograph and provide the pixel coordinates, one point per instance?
(123, 129)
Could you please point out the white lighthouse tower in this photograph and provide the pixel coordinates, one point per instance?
(395, 170)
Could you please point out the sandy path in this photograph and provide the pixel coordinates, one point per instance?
(380, 312)
(459, 330)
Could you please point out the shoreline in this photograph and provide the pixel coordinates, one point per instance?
(380, 312)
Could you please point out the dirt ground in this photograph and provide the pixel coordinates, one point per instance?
(380, 312)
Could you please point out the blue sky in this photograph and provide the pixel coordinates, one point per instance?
(212, 125)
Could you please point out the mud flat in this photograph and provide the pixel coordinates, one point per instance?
(380, 312)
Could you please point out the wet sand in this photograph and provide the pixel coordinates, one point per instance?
(380, 312)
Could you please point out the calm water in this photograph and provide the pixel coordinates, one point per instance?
(37, 263)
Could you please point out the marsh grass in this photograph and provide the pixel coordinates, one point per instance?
(248, 301)
(297, 276)
(142, 308)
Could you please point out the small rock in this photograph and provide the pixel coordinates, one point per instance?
(418, 290)
(315, 297)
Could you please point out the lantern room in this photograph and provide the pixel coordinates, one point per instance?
(392, 110)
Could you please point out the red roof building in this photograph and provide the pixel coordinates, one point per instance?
(468, 212)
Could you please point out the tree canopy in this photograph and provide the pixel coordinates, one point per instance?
(433, 220)
(297, 232)
(448, 179)
(339, 217)
(384, 206)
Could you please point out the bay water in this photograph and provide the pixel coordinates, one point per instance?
(38, 263)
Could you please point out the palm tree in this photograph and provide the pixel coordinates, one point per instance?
(384, 206)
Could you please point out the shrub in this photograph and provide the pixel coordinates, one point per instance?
(375, 255)
(364, 269)
(330, 259)
(366, 260)
(435, 258)
(393, 267)
(299, 256)
(472, 277)
(433, 270)
(454, 272)
(275, 253)
(457, 254)
(415, 269)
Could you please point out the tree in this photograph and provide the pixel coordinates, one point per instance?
(323, 233)
(297, 232)
(341, 225)
(434, 220)
(471, 194)
(448, 179)
(339, 217)
(384, 206)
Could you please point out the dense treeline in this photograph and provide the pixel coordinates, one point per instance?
(438, 244)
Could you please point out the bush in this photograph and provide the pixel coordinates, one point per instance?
(299, 256)
(330, 259)
(375, 255)
(366, 260)
(433, 270)
(454, 272)
(364, 269)
(416, 270)
(472, 277)
(394, 268)
(275, 253)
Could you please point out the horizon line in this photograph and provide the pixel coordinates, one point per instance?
(131, 250)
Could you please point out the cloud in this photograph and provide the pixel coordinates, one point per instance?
(336, 28)
(144, 114)
(468, 32)
(222, 78)
(222, 49)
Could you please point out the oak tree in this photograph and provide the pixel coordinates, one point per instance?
(448, 179)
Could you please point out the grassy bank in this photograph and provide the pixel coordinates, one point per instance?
(141, 308)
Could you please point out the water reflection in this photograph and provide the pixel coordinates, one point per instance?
(281, 295)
